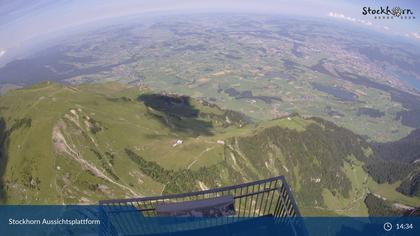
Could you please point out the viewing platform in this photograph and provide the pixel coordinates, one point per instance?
(238, 208)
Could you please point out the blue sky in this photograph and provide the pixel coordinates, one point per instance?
(22, 20)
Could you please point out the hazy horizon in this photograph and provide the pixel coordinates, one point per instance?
(23, 22)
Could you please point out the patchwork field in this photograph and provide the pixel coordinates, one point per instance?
(265, 66)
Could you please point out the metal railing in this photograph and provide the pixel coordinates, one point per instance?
(269, 197)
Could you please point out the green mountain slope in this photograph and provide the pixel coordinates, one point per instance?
(398, 161)
(65, 144)
(405, 150)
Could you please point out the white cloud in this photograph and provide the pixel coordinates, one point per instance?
(366, 22)
(344, 17)
(336, 15)
(386, 28)
(415, 35)
(2, 52)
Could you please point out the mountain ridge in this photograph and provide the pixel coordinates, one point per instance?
(80, 144)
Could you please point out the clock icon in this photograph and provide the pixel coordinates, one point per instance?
(387, 226)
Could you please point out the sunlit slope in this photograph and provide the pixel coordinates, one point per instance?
(66, 144)
(63, 144)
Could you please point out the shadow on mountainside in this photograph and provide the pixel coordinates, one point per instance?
(4, 144)
(177, 113)
(3, 158)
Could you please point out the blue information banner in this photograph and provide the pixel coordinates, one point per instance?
(117, 220)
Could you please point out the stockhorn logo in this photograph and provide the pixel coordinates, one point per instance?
(396, 11)
(389, 13)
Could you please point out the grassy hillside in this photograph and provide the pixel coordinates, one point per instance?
(398, 161)
(65, 144)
